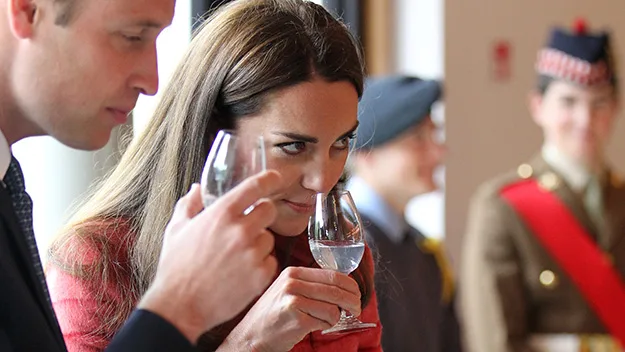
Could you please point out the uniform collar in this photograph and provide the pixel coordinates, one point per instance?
(574, 174)
(377, 209)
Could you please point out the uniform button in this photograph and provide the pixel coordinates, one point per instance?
(548, 279)
(525, 171)
(549, 181)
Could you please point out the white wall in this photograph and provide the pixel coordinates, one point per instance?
(489, 130)
(420, 51)
(420, 37)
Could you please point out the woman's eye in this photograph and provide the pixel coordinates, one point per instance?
(344, 142)
(292, 148)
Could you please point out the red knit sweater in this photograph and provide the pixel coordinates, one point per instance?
(81, 305)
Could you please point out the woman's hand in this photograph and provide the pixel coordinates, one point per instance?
(299, 301)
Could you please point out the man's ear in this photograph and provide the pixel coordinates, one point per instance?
(535, 100)
(21, 17)
(617, 105)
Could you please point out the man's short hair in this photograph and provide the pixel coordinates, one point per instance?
(65, 11)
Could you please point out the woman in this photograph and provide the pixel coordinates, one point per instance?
(284, 69)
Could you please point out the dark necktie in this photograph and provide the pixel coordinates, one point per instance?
(23, 206)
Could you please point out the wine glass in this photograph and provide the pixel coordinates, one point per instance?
(231, 159)
(337, 243)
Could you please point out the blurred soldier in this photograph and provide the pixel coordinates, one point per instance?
(544, 256)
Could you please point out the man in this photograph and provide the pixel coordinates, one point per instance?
(544, 257)
(73, 69)
(395, 159)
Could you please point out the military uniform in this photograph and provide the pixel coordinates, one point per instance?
(515, 296)
(512, 290)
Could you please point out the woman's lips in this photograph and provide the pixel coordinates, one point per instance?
(302, 208)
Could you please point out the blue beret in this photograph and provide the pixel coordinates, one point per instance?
(392, 104)
(577, 56)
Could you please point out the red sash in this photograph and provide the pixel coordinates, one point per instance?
(570, 245)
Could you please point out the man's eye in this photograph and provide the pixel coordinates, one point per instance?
(133, 38)
(568, 102)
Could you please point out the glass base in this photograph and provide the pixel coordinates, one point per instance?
(348, 325)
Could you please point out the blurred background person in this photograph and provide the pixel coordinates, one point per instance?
(534, 273)
(395, 159)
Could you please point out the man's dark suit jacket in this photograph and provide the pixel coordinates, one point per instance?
(27, 322)
(408, 287)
